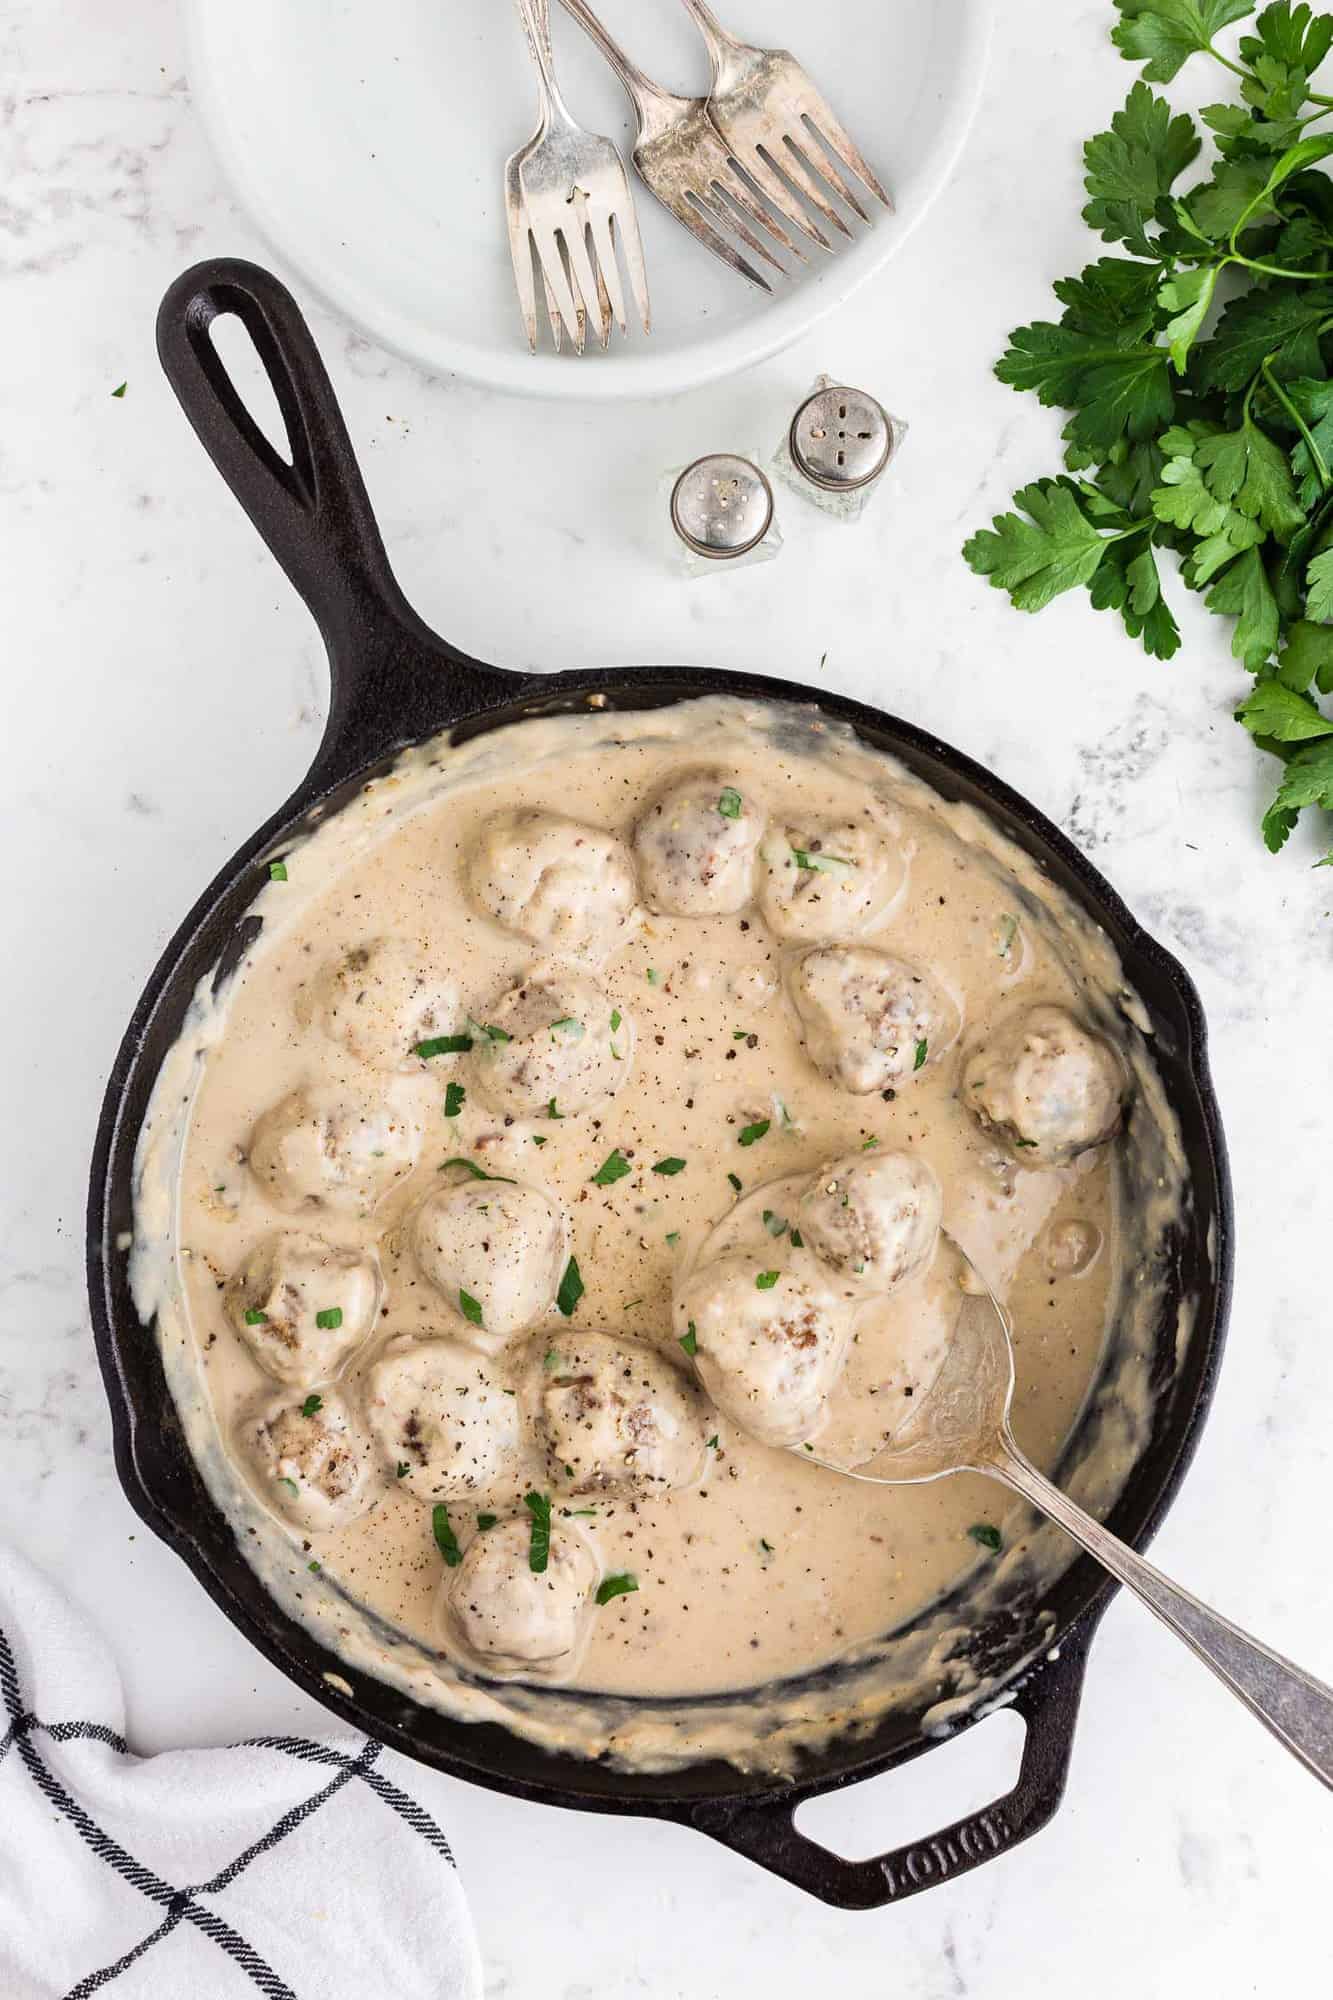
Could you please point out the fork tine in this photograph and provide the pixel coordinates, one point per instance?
(602, 224)
(557, 280)
(734, 185)
(520, 249)
(626, 223)
(818, 160)
(575, 237)
(716, 200)
(553, 314)
(684, 209)
(837, 140)
(790, 165)
(766, 177)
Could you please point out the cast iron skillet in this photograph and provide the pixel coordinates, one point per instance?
(394, 682)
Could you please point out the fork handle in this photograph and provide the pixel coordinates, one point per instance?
(721, 44)
(536, 18)
(648, 96)
(1296, 1707)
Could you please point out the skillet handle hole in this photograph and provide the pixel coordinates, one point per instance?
(960, 1777)
(250, 379)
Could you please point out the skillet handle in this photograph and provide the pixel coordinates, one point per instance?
(314, 513)
(764, 1830)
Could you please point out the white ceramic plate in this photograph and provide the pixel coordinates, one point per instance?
(367, 139)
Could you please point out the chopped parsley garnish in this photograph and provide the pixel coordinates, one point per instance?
(446, 1541)
(776, 1225)
(330, 1319)
(572, 1030)
(311, 1404)
(579, 1513)
(478, 1173)
(749, 1134)
(922, 1051)
(551, 1111)
(616, 1018)
(729, 805)
(485, 1521)
(869, 1145)
(489, 1033)
(1025, 1142)
(403, 1468)
(314, 1568)
(616, 1586)
(119, 394)
(630, 1304)
(673, 1237)
(669, 1166)
(455, 1097)
(539, 1138)
(989, 1538)
(469, 1307)
(735, 1180)
(712, 1442)
(767, 1547)
(443, 1045)
(539, 1541)
(766, 1280)
(571, 1288)
(740, 1034)
(613, 1168)
(797, 1240)
(654, 976)
(821, 864)
(291, 1485)
(690, 1341)
(277, 871)
(1008, 931)
(254, 1317)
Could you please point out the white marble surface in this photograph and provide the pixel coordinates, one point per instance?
(163, 689)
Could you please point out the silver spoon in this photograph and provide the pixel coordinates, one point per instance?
(962, 1425)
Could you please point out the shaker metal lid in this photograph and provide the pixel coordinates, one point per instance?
(841, 439)
(722, 506)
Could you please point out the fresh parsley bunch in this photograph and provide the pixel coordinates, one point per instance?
(1219, 448)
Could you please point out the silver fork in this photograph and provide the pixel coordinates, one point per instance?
(567, 194)
(683, 159)
(776, 123)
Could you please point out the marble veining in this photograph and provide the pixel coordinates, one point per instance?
(165, 689)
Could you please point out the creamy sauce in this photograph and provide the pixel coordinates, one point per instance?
(769, 1567)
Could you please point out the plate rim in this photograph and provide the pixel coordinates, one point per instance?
(639, 375)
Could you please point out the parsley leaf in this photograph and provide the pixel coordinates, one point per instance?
(1036, 558)
(1280, 713)
(690, 1341)
(330, 1319)
(613, 1168)
(1162, 34)
(455, 1097)
(446, 1541)
(469, 1308)
(539, 1539)
(1244, 592)
(750, 1135)
(311, 1405)
(616, 1586)
(985, 1535)
(571, 1289)
(1128, 169)
(669, 1167)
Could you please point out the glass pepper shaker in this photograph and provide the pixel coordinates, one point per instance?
(839, 445)
(721, 514)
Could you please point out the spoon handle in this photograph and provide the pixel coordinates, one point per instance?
(1293, 1704)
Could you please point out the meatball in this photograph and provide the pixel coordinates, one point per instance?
(310, 1460)
(508, 1617)
(326, 1147)
(301, 1305)
(566, 886)
(696, 846)
(873, 1218)
(442, 1421)
(869, 1020)
(555, 1038)
(825, 879)
(615, 1416)
(502, 1244)
(768, 1354)
(379, 1001)
(1045, 1085)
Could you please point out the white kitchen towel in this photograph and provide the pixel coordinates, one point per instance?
(288, 1867)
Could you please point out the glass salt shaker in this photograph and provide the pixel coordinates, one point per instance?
(840, 444)
(721, 514)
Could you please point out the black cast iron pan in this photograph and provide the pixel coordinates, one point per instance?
(394, 682)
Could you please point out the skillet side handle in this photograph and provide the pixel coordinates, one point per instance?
(765, 1832)
(314, 512)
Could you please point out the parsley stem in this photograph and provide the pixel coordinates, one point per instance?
(1273, 270)
(1316, 456)
(1227, 63)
